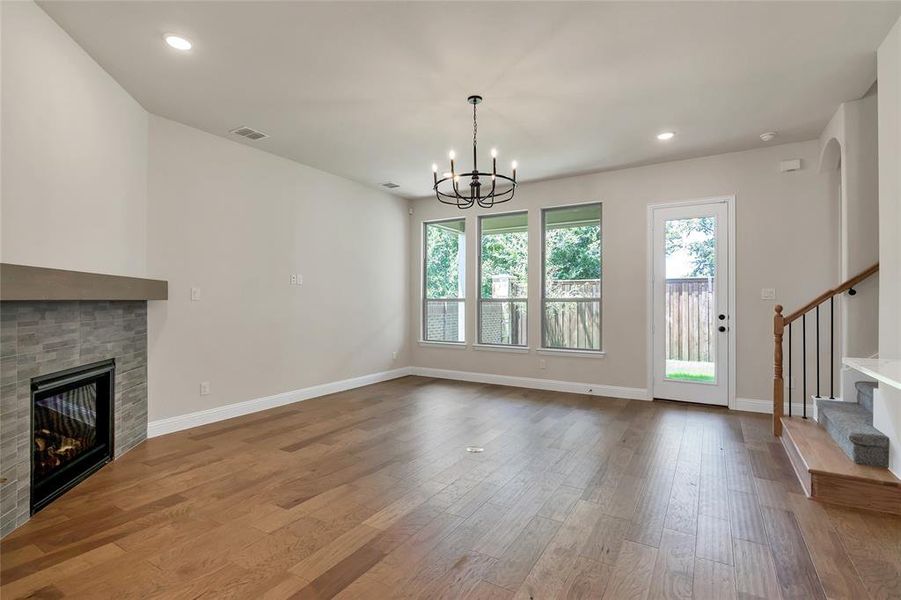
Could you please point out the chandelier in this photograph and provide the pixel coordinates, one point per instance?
(485, 189)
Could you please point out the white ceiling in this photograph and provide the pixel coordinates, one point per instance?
(376, 91)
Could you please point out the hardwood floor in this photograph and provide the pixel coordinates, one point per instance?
(371, 494)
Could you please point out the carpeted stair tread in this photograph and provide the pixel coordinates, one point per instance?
(850, 425)
(865, 393)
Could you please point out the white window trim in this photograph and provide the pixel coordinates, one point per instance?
(453, 345)
(502, 348)
(574, 353)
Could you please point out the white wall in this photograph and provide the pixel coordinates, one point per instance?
(74, 154)
(236, 222)
(848, 151)
(786, 231)
(887, 407)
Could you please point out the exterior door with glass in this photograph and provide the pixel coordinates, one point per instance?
(690, 303)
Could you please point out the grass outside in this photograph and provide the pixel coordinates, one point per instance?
(702, 377)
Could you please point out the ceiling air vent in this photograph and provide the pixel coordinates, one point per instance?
(250, 134)
(390, 185)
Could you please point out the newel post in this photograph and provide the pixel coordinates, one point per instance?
(778, 384)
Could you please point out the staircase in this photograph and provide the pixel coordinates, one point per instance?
(850, 424)
(842, 459)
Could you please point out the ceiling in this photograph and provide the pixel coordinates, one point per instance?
(377, 91)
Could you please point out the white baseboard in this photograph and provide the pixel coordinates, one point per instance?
(238, 409)
(766, 406)
(536, 383)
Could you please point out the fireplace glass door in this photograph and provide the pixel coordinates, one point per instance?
(71, 428)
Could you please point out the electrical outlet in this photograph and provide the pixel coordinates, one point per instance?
(195, 294)
(204, 388)
(293, 279)
(768, 293)
(542, 364)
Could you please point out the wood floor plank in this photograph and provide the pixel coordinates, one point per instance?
(794, 569)
(631, 577)
(674, 568)
(834, 568)
(515, 563)
(548, 576)
(755, 576)
(714, 539)
(713, 581)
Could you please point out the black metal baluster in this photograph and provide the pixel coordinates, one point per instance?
(832, 348)
(804, 363)
(818, 350)
(790, 383)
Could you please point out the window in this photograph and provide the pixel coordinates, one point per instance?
(444, 279)
(571, 265)
(503, 282)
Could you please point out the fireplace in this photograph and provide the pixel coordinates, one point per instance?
(71, 428)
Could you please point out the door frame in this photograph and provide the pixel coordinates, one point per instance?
(730, 289)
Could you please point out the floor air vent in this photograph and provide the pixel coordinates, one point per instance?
(250, 134)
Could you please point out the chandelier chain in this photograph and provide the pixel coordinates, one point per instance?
(475, 128)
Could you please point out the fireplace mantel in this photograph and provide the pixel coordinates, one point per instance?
(21, 282)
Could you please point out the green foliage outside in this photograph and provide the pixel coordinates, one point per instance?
(505, 254)
(691, 376)
(572, 253)
(442, 260)
(682, 235)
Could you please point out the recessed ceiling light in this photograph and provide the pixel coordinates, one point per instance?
(768, 136)
(179, 43)
(666, 135)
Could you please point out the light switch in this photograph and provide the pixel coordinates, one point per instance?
(768, 293)
(195, 293)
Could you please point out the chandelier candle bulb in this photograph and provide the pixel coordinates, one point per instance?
(479, 192)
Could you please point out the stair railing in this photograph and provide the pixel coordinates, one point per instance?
(781, 323)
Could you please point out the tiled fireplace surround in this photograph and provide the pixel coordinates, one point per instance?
(41, 337)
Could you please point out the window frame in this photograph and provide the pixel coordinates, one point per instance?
(423, 315)
(479, 298)
(544, 347)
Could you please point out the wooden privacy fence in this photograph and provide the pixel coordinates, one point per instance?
(573, 313)
(689, 319)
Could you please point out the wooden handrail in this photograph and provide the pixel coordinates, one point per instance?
(779, 323)
(830, 293)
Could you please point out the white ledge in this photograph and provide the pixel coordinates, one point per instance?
(502, 348)
(564, 352)
(452, 345)
(883, 370)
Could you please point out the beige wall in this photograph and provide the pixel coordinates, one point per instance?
(236, 222)
(887, 408)
(74, 154)
(786, 238)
